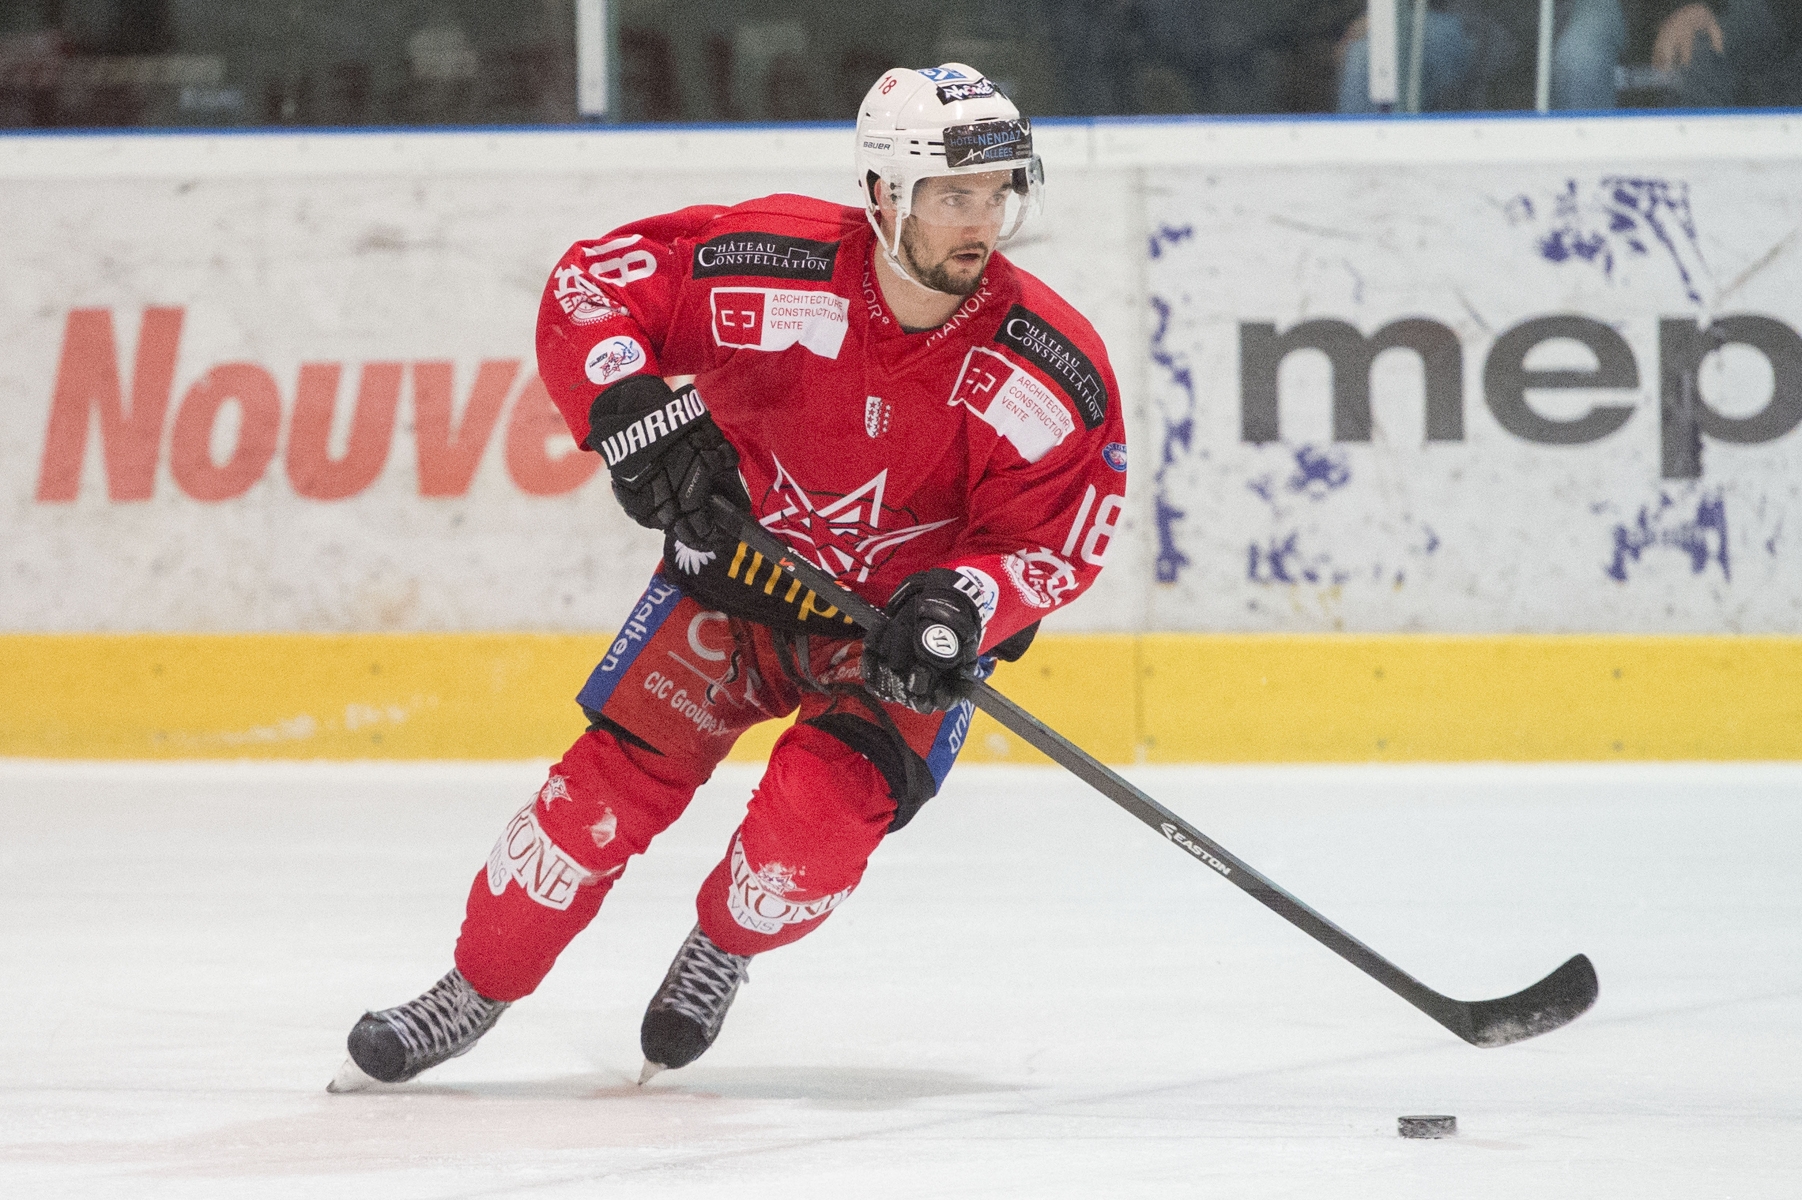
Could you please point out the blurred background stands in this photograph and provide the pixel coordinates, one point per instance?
(223, 63)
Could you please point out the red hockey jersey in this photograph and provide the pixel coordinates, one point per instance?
(992, 445)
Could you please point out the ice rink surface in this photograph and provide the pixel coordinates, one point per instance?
(1030, 995)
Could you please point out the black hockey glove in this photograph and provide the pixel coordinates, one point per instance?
(667, 458)
(922, 656)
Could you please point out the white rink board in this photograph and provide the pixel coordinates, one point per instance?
(289, 249)
(1497, 526)
(366, 249)
(989, 1015)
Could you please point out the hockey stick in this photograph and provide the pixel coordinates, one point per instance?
(1556, 1000)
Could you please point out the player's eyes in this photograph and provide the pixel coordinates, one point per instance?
(965, 200)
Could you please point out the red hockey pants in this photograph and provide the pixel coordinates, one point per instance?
(675, 691)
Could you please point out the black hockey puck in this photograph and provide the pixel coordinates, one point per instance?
(1427, 1127)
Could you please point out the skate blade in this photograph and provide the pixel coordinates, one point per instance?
(650, 1069)
(351, 1078)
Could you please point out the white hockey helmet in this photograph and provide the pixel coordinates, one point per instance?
(945, 120)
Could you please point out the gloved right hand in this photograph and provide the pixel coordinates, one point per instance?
(666, 457)
(922, 656)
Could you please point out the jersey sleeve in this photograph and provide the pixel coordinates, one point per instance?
(607, 308)
(1042, 522)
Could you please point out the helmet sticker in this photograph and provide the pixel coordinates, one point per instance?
(940, 74)
(951, 93)
(988, 142)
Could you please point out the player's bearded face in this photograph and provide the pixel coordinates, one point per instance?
(955, 224)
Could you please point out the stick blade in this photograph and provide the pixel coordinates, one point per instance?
(1554, 1001)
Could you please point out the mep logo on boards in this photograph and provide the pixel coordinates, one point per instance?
(1685, 414)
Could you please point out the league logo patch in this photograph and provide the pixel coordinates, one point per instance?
(1032, 337)
(771, 254)
(1114, 455)
(979, 586)
(614, 358)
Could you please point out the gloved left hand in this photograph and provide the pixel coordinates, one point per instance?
(922, 657)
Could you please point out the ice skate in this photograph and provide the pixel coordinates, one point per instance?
(395, 1044)
(685, 1015)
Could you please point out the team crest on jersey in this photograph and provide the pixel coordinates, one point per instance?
(1114, 455)
(876, 414)
(849, 535)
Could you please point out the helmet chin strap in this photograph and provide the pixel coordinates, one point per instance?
(893, 253)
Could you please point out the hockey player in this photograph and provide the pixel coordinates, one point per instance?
(892, 399)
